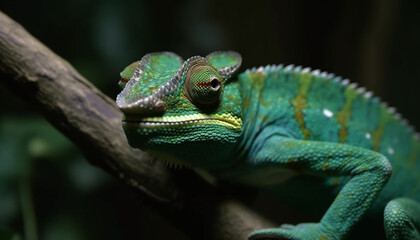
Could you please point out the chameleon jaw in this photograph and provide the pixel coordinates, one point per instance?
(226, 120)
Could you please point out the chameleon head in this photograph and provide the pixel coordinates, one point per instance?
(185, 110)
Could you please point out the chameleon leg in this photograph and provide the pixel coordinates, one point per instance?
(369, 171)
(402, 219)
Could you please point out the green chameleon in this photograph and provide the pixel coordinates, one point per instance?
(317, 137)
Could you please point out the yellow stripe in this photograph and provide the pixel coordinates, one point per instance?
(226, 120)
(379, 131)
(345, 113)
(299, 102)
(259, 80)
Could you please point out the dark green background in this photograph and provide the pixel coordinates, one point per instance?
(44, 178)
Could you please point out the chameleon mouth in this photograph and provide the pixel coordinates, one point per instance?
(225, 120)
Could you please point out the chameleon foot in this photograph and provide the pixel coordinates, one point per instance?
(402, 219)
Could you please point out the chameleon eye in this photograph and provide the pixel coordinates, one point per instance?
(203, 85)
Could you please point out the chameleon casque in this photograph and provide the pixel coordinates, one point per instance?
(273, 125)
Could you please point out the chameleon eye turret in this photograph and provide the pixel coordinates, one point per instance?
(203, 84)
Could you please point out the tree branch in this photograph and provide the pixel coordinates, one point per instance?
(92, 121)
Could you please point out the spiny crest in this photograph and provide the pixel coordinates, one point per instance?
(339, 80)
(156, 75)
(127, 73)
(226, 62)
(159, 74)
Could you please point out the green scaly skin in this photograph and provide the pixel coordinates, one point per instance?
(271, 127)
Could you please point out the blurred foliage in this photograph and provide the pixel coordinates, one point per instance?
(47, 189)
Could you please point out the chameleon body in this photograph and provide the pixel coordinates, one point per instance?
(270, 127)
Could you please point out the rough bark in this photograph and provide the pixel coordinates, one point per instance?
(91, 120)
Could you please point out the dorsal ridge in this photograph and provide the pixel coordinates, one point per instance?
(338, 79)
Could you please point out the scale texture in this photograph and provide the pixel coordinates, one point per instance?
(310, 137)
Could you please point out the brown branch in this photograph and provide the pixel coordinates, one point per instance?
(76, 108)
(91, 120)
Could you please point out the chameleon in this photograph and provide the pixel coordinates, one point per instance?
(280, 127)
